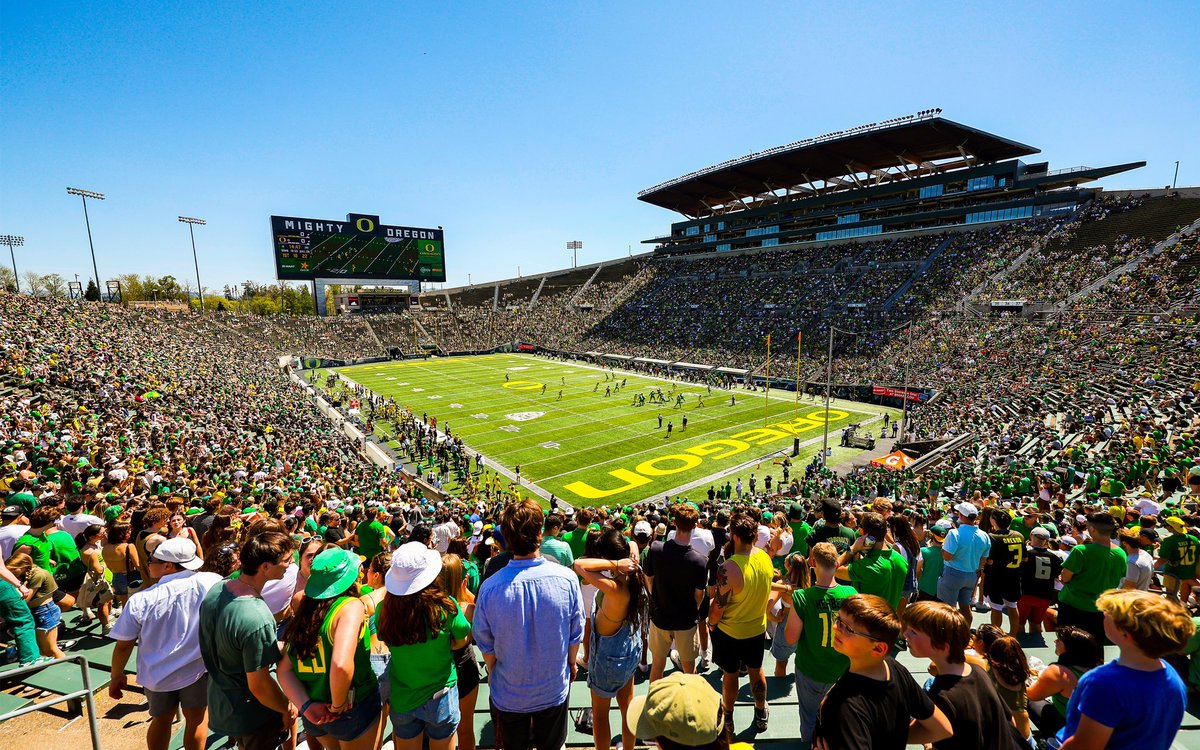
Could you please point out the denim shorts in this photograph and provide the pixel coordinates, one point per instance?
(46, 617)
(612, 660)
(955, 586)
(350, 725)
(437, 717)
(120, 583)
(379, 665)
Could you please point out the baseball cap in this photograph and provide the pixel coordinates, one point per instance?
(795, 512)
(966, 509)
(1068, 541)
(332, 573)
(684, 708)
(1040, 531)
(180, 551)
(1175, 522)
(937, 531)
(642, 528)
(414, 566)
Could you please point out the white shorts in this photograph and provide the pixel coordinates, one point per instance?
(589, 599)
(999, 606)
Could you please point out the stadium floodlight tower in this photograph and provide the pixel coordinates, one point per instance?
(190, 221)
(85, 194)
(574, 246)
(12, 241)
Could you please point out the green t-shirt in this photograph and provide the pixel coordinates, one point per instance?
(577, 541)
(931, 570)
(69, 569)
(1096, 569)
(817, 608)
(880, 573)
(237, 636)
(370, 538)
(1179, 550)
(419, 670)
(40, 546)
(800, 533)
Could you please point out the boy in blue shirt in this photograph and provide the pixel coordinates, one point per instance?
(1136, 701)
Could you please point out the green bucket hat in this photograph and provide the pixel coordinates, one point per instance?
(332, 573)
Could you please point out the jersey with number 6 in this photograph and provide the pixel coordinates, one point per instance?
(817, 608)
(1039, 571)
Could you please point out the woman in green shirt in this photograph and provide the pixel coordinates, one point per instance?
(422, 625)
(326, 669)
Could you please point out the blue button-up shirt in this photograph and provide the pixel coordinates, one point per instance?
(528, 614)
(969, 544)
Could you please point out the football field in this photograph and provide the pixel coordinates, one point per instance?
(554, 420)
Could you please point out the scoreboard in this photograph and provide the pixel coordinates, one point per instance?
(358, 247)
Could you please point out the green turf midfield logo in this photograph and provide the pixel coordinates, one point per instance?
(711, 451)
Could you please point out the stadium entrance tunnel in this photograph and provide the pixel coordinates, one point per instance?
(711, 451)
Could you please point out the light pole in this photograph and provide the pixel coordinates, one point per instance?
(828, 380)
(1175, 179)
(84, 195)
(12, 241)
(574, 246)
(191, 222)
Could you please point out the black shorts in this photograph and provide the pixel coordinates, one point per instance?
(1002, 587)
(732, 654)
(703, 609)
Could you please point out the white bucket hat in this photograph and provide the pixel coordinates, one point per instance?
(414, 566)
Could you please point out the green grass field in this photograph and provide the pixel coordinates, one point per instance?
(589, 449)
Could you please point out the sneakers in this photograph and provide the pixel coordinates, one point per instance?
(705, 663)
(66, 645)
(39, 660)
(760, 718)
(676, 660)
(88, 615)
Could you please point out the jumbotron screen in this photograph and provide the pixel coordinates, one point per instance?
(358, 247)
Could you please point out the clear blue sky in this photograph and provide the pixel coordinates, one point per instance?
(520, 126)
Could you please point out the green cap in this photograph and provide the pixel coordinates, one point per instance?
(194, 511)
(333, 571)
(112, 512)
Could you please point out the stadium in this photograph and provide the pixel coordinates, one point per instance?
(889, 436)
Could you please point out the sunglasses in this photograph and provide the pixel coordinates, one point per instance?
(840, 624)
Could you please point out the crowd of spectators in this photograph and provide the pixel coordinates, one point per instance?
(181, 440)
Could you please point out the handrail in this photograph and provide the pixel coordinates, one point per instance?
(86, 693)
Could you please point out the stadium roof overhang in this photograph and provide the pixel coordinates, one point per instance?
(892, 150)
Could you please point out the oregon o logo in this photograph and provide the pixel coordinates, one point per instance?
(523, 385)
(684, 461)
(365, 225)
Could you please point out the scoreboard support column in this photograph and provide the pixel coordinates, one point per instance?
(319, 300)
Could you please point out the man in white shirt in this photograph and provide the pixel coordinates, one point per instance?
(164, 621)
(75, 521)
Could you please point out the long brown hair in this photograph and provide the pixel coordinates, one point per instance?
(304, 629)
(414, 618)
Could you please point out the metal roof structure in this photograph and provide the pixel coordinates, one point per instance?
(892, 150)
